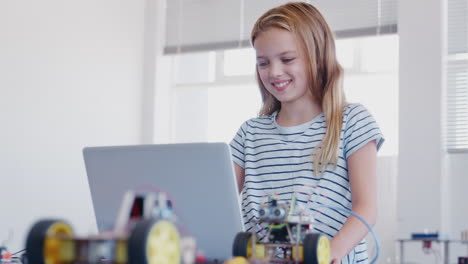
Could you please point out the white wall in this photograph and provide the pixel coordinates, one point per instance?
(386, 226)
(427, 175)
(420, 115)
(70, 76)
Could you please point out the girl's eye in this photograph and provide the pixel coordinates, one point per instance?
(288, 60)
(262, 64)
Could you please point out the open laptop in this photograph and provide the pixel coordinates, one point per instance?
(198, 177)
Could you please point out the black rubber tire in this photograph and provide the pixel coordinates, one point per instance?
(137, 241)
(310, 244)
(36, 239)
(241, 243)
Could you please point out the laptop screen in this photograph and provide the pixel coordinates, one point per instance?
(198, 177)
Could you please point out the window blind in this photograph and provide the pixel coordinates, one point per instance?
(201, 25)
(457, 76)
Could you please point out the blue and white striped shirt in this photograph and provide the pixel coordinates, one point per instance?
(278, 161)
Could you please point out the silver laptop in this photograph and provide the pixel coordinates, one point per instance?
(198, 177)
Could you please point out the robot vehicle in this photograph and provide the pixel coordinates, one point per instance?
(289, 238)
(144, 233)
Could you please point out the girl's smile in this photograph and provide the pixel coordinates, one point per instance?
(282, 67)
(281, 85)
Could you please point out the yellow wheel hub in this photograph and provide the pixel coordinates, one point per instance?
(323, 250)
(163, 244)
(298, 253)
(259, 249)
(58, 245)
(237, 260)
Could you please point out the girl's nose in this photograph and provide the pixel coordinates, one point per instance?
(275, 70)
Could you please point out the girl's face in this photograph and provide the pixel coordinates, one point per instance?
(282, 66)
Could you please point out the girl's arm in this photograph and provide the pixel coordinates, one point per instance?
(362, 177)
(240, 175)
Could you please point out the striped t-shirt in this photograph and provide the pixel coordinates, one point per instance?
(277, 161)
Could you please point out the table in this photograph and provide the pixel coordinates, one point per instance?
(445, 242)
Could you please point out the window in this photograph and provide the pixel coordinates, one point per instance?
(372, 80)
(457, 77)
(215, 92)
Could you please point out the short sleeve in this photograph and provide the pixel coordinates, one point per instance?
(237, 145)
(360, 129)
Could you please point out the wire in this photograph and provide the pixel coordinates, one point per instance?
(18, 252)
(277, 226)
(265, 199)
(293, 203)
(371, 230)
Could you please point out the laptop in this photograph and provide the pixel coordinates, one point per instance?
(198, 177)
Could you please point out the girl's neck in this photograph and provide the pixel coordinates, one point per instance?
(296, 114)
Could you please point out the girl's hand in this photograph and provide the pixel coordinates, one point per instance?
(334, 258)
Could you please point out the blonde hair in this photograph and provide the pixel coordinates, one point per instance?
(323, 70)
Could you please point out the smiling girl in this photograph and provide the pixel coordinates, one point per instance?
(306, 134)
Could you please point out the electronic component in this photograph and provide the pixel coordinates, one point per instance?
(425, 236)
(289, 237)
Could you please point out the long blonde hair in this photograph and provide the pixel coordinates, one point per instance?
(324, 72)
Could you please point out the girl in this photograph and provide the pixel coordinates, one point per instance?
(306, 135)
